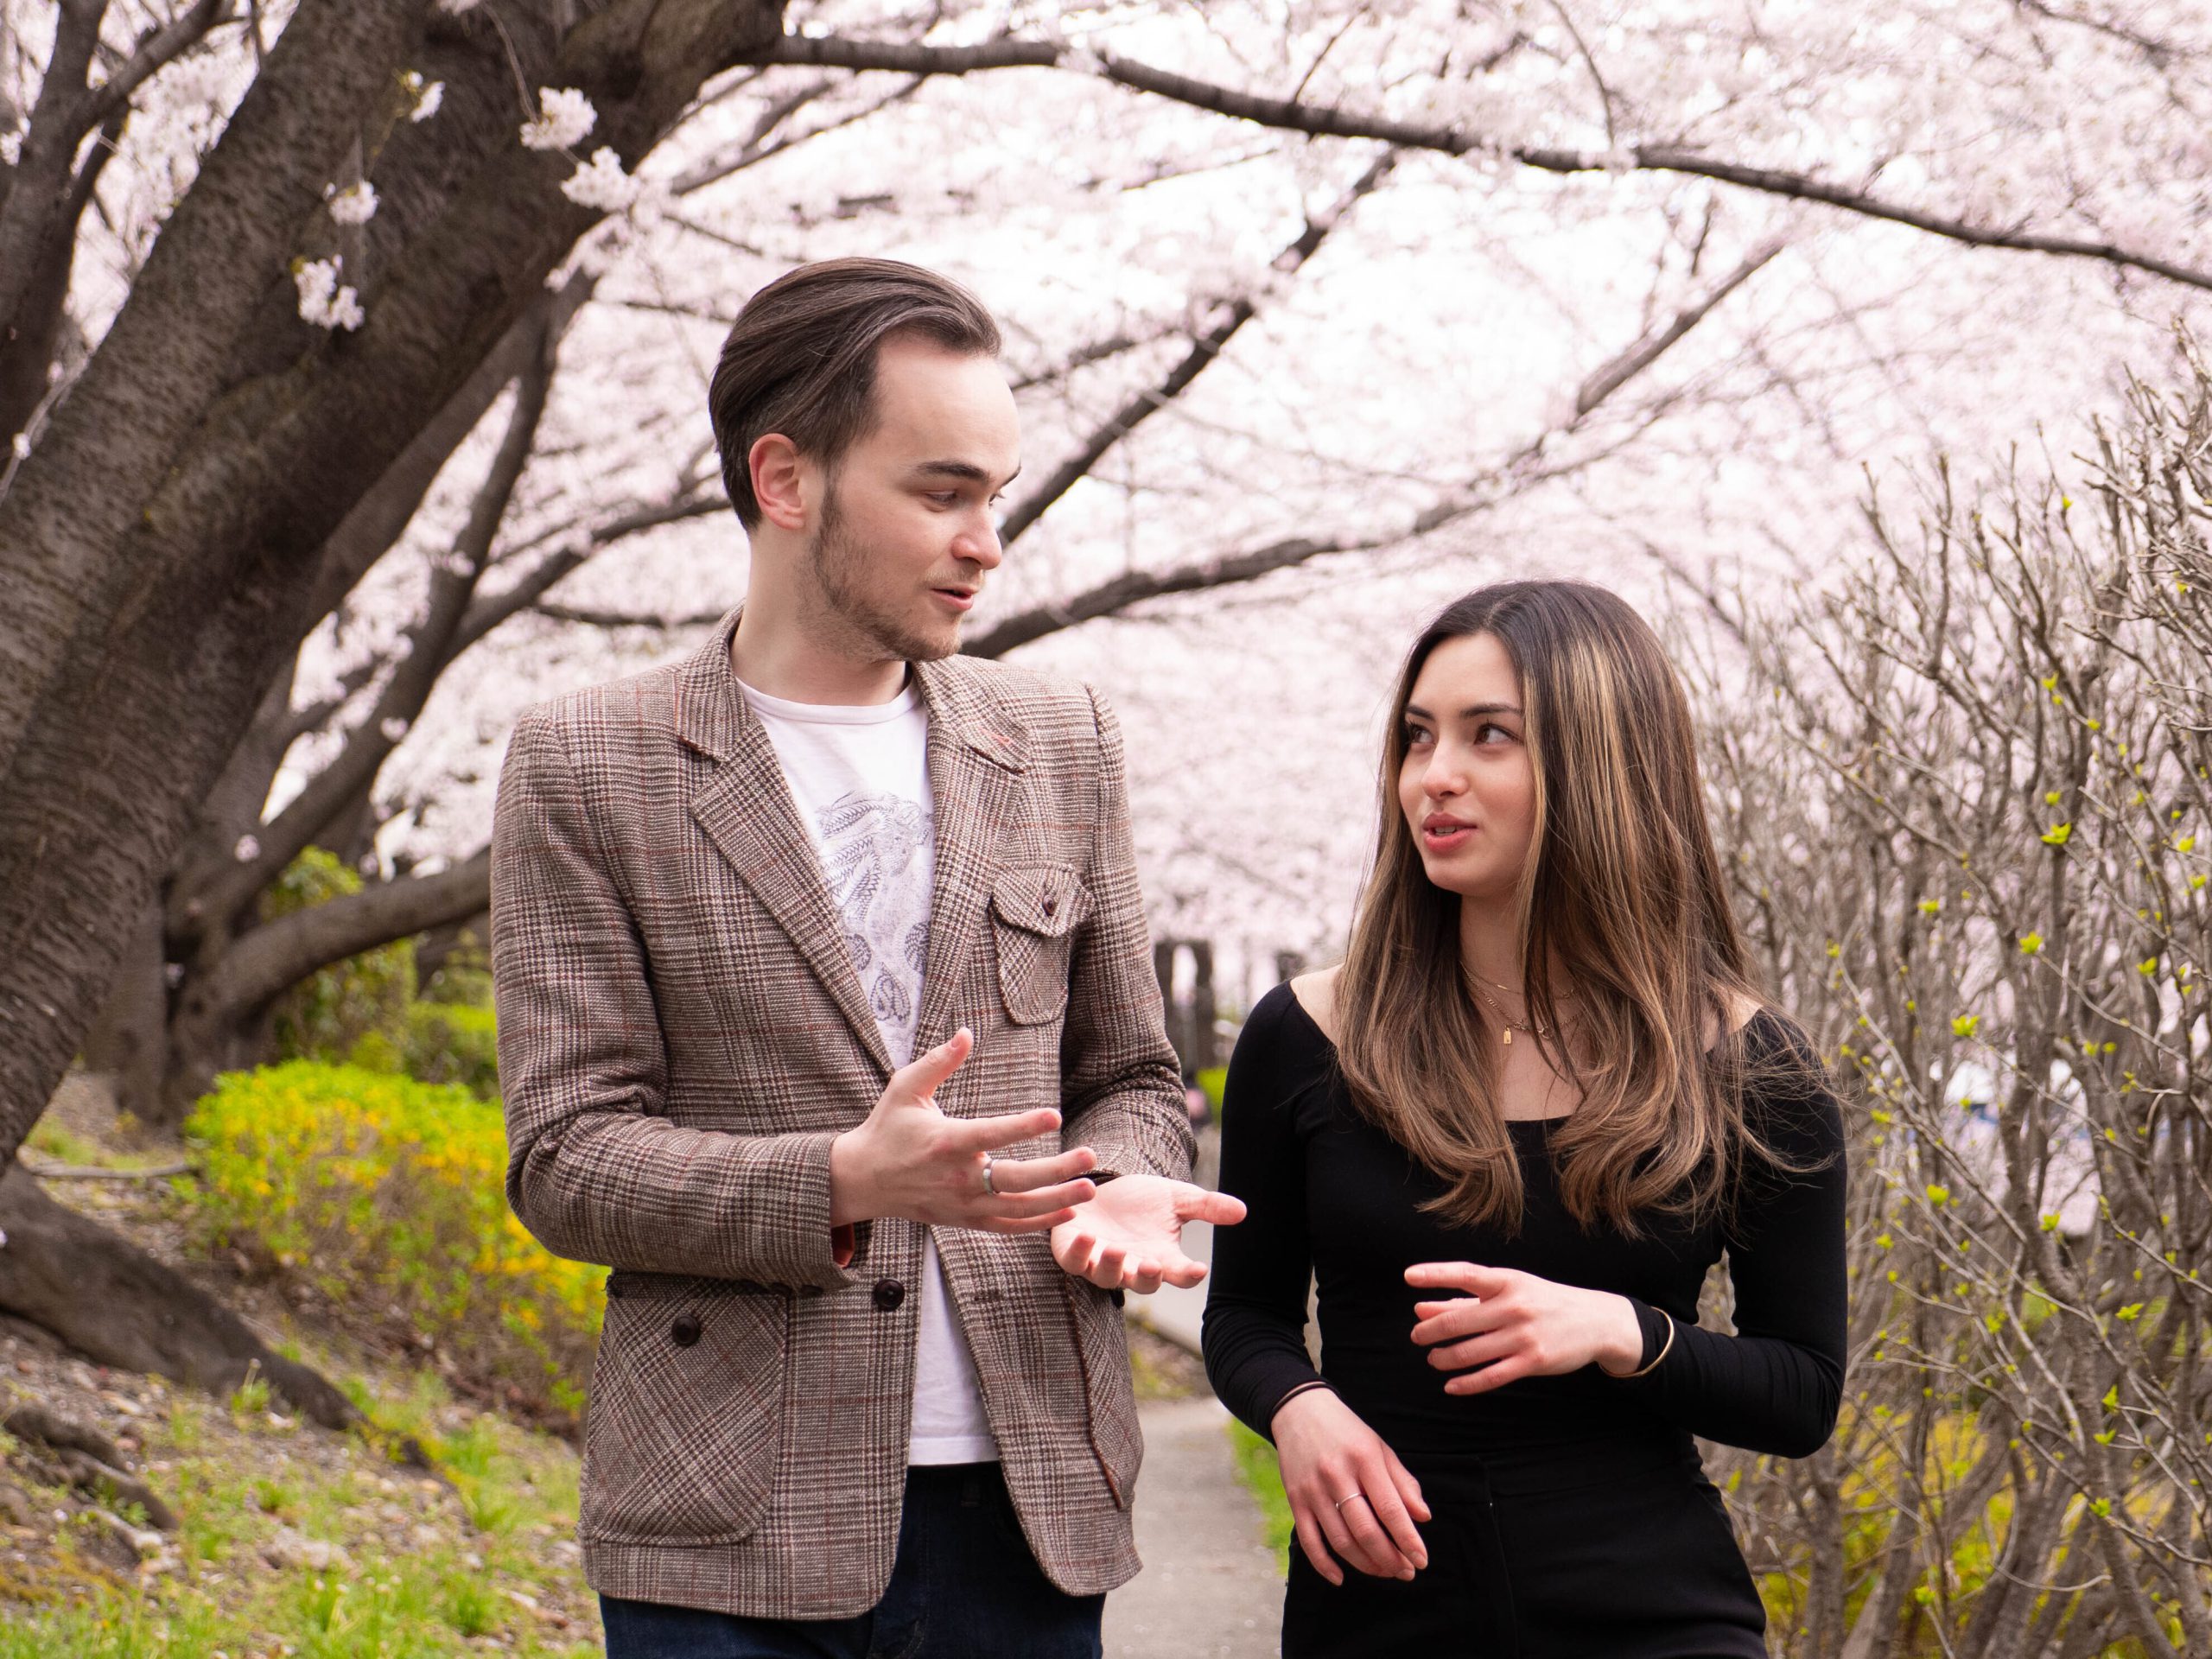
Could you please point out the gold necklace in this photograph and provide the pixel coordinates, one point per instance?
(1505, 1037)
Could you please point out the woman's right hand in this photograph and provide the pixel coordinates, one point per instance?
(1327, 1456)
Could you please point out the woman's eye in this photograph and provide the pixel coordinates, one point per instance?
(1489, 733)
(1415, 737)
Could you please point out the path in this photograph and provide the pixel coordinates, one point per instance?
(1210, 1588)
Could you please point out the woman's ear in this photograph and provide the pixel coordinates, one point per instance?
(779, 480)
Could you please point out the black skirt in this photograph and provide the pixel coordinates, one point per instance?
(1638, 1564)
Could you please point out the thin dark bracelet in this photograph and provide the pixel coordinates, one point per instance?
(1303, 1387)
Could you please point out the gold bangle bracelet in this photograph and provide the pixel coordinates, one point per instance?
(1665, 1348)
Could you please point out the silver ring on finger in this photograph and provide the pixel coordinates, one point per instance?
(1347, 1498)
(988, 1189)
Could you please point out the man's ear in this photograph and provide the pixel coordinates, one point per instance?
(779, 480)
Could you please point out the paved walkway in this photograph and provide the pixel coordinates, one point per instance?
(1210, 1588)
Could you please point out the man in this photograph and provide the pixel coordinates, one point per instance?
(827, 1019)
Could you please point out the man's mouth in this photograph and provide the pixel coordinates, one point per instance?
(959, 599)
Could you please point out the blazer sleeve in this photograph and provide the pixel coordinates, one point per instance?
(1120, 1087)
(594, 1169)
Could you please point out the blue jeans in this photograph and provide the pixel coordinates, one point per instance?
(964, 1586)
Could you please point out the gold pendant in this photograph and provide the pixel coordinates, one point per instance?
(1508, 1036)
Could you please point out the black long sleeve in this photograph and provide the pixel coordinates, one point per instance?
(1330, 1193)
(1255, 1327)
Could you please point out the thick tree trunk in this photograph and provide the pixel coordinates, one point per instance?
(160, 589)
(109, 1300)
(128, 1044)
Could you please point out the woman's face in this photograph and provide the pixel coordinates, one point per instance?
(1468, 786)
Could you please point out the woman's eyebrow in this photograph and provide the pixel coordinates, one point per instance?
(1473, 711)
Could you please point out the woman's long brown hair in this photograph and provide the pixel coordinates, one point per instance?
(1622, 898)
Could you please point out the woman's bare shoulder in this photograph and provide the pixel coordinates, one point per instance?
(1317, 994)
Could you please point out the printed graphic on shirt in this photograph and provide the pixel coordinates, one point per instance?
(874, 851)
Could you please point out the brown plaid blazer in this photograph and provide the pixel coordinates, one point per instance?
(681, 1036)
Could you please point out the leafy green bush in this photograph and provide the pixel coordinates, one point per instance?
(327, 1015)
(376, 1184)
(1262, 1477)
(450, 1042)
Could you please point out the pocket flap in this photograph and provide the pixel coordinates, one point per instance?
(1047, 902)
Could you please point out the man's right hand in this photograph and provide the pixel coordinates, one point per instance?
(910, 1160)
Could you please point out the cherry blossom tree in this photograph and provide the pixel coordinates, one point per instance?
(355, 357)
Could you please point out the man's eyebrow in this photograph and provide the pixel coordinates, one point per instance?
(1473, 711)
(966, 472)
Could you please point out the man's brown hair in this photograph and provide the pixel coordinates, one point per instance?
(800, 360)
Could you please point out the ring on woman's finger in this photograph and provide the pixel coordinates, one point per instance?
(990, 1191)
(1347, 1498)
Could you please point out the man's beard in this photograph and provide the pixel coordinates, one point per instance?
(840, 576)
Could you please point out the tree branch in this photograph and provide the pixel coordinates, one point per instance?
(279, 954)
(153, 51)
(1290, 115)
(1524, 467)
(1147, 403)
(596, 619)
(39, 182)
(351, 773)
(488, 614)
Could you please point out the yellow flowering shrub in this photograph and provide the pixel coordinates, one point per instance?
(375, 1185)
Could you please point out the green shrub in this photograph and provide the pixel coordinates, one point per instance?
(376, 1185)
(1210, 1081)
(327, 1014)
(449, 1042)
(1262, 1477)
(465, 974)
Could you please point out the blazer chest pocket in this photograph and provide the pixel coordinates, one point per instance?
(1034, 913)
(685, 1418)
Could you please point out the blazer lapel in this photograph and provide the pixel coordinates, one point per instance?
(978, 753)
(747, 810)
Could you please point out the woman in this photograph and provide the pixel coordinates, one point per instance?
(1508, 1137)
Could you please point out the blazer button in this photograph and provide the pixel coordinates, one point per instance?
(888, 1293)
(685, 1330)
(1051, 905)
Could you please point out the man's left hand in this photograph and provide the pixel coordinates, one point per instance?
(1130, 1236)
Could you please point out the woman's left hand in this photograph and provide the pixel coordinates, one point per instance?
(1515, 1324)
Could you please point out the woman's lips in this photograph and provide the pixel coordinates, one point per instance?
(1443, 837)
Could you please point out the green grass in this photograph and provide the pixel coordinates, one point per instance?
(499, 1500)
(1257, 1468)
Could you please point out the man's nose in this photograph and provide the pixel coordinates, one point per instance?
(978, 542)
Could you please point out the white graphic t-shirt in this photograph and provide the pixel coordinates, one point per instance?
(860, 776)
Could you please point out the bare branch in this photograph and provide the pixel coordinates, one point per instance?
(279, 954)
(350, 775)
(1147, 403)
(596, 619)
(1525, 467)
(153, 51)
(37, 185)
(1609, 377)
(1099, 351)
(1291, 116)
